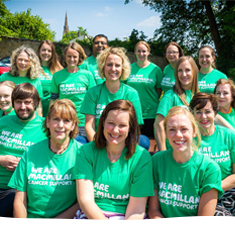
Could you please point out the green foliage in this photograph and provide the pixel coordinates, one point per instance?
(192, 23)
(69, 36)
(23, 25)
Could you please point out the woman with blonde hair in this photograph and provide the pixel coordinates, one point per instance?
(186, 182)
(43, 177)
(25, 68)
(208, 74)
(6, 88)
(186, 86)
(113, 66)
(73, 83)
(50, 64)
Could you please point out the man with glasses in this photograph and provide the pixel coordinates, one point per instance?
(17, 133)
(100, 43)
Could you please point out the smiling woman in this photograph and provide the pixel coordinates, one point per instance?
(44, 174)
(186, 86)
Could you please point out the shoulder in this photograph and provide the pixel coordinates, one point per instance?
(84, 72)
(128, 89)
(5, 120)
(58, 73)
(219, 73)
(162, 155)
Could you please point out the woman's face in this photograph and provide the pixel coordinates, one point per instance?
(180, 133)
(205, 117)
(60, 128)
(72, 58)
(116, 127)
(172, 54)
(113, 68)
(23, 62)
(224, 95)
(185, 75)
(141, 53)
(5, 98)
(45, 52)
(205, 58)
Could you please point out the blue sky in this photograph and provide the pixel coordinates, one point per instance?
(110, 17)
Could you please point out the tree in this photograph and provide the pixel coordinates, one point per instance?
(69, 36)
(192, 23)
(23, 25)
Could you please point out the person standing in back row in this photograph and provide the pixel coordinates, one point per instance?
(100, 43)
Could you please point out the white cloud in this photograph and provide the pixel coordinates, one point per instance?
(50, 21)
(100, 14)
(153, 21)
(108, 8)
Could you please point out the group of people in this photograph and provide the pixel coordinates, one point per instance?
(75, 136)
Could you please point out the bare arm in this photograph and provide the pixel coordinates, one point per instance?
(154, 211)
(229, 182)
(136, 208)
(85, 195)
(159, 92)
(20, 205)
(219, 120)
(69, 213)
(90, 127)
(159, 132)
(9, 162)
(207, 203)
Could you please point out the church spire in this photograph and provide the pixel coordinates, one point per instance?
(66, 27)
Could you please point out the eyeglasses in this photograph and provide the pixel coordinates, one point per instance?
(172, 52)
(101, 42)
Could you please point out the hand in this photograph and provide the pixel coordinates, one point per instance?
(9, 162)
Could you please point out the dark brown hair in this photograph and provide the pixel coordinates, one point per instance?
(134, 132)
(200, 100)
(25, 91)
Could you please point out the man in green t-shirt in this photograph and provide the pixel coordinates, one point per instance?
(100, 43)
(17, 133)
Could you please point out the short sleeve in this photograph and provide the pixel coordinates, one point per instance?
(211, 178)
(142, 177)
(165, 104)
(92, 82)
(159, 77)
(89, 103)
(84, 166)
(54, 86)
(19, 177)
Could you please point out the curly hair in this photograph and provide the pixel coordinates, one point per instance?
(119, 51)
(35, 68)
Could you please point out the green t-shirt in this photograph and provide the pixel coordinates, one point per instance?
(171, 99)
(18, 80)
(93, 68)
(146, 81)
(46, 177)
(11, 113)
(207, 82)
(84, 65)
(229, 117)
(180, 185)
(220, 146)
(114, 183)
(168, 80)
(73, 86)
(46, 88)
(15, 137)
(98, 97)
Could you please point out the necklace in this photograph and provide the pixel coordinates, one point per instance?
(59, 151)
